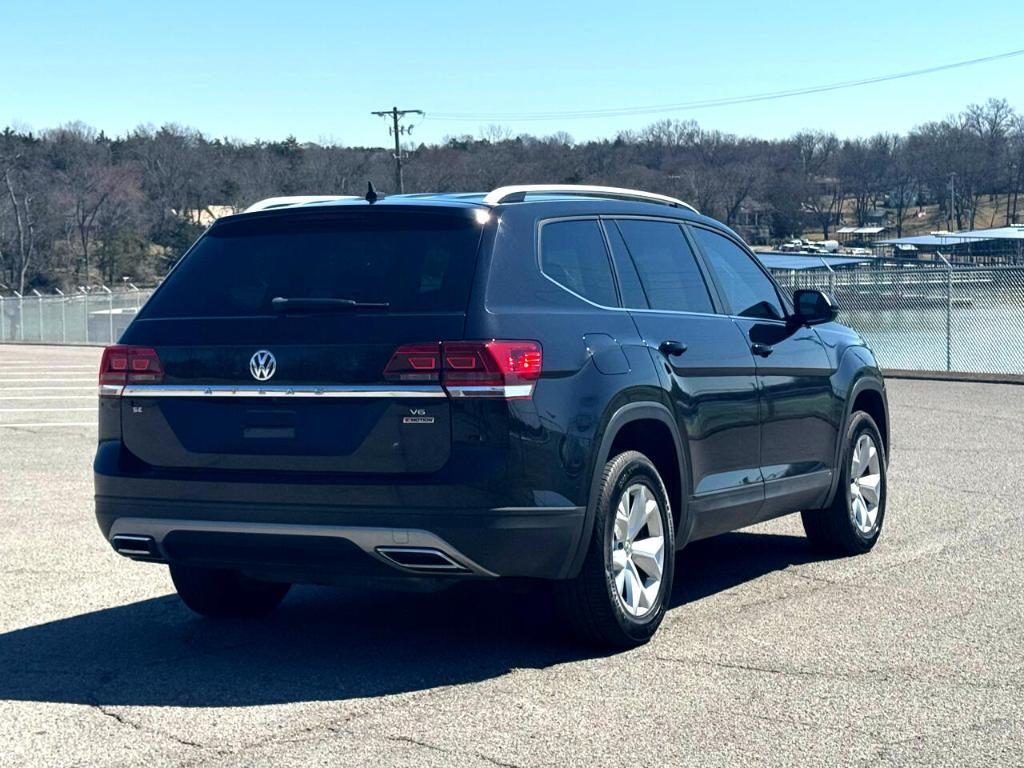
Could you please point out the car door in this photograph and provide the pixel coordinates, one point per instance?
(798, 431)
(706, 367)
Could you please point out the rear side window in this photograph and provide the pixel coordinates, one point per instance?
(747, 288)
(632, 289)
(412, 262)
(668, 270)
(573, 254)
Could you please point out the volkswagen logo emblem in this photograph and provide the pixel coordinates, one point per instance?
(262, 365)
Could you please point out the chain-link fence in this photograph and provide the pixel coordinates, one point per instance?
(922, 316)
(929, 316)
(97, 317)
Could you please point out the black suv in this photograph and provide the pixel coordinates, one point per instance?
(561, 383)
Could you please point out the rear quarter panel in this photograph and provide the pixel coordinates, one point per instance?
(555, 435)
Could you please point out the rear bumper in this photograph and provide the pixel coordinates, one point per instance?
(283, 546)
(308, 530)
(536, 543)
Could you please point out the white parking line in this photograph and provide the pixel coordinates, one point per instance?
(47, 389)
(7, 367)
(50, 397)
(43, 410)
(50, 424)
(40, 380)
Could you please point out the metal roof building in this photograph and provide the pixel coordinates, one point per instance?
(999, 245)
(866, 235)
(796, 261)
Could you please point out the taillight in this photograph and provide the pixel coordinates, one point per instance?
(491, 368)
(506, 369)
(130, 365)
(415, 362)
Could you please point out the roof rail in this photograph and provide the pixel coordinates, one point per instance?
(280, 202)
(517, 193)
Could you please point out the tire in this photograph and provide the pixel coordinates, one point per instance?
(849, 526)
(598, 603)
(223, 594)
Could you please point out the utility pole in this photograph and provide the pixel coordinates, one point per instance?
(1016, 189)
(398, 131)
(1010, 189)
(952, 202)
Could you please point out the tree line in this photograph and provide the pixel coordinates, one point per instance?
(79, 208)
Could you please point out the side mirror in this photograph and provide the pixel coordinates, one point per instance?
(814, 307)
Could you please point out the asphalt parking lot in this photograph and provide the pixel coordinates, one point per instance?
(913, 654)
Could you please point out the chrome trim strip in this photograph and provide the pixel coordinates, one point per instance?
(281, 390)
(111, 390)
(509, 390)
(602, 217)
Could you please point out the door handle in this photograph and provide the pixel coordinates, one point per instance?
(672, 347)
(762, 350)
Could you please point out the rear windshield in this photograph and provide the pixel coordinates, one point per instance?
(419, 262)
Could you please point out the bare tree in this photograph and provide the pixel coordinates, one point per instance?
(24, 230)
(1016, 164)
(900, 181)
(88, 183)
(823, 192)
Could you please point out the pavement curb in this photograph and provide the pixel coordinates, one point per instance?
(973, 378)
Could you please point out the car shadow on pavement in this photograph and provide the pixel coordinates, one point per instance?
(328, 645)
(714, 565)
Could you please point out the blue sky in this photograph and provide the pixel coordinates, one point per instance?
(316, 69)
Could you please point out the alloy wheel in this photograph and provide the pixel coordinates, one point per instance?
(638, 550)
(865, 484)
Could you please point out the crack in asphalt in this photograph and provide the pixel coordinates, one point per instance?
(119, 718)
(751, 667)
(885, 675)
(452, 752)
(809, 725)
(815, 579)
(419, 743)
(313, 733)
(883, 747)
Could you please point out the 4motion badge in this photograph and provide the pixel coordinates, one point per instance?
(418, 416)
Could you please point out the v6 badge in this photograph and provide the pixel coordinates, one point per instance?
(418, 416)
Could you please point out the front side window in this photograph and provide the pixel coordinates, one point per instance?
(668, 270)
(747, 289)
(573, 254)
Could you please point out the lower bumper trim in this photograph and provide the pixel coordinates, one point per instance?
(368, 539)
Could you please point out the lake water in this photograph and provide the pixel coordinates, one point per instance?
(985, 337)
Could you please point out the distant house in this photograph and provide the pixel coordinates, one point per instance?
(204, 217)
(753, 222)
(863, 237)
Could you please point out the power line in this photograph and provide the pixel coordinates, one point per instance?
(398, 131)
(720, 102)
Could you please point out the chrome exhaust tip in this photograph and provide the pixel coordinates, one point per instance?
(424, 559)
(135, 546)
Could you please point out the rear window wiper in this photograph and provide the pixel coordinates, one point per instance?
(283, 305)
